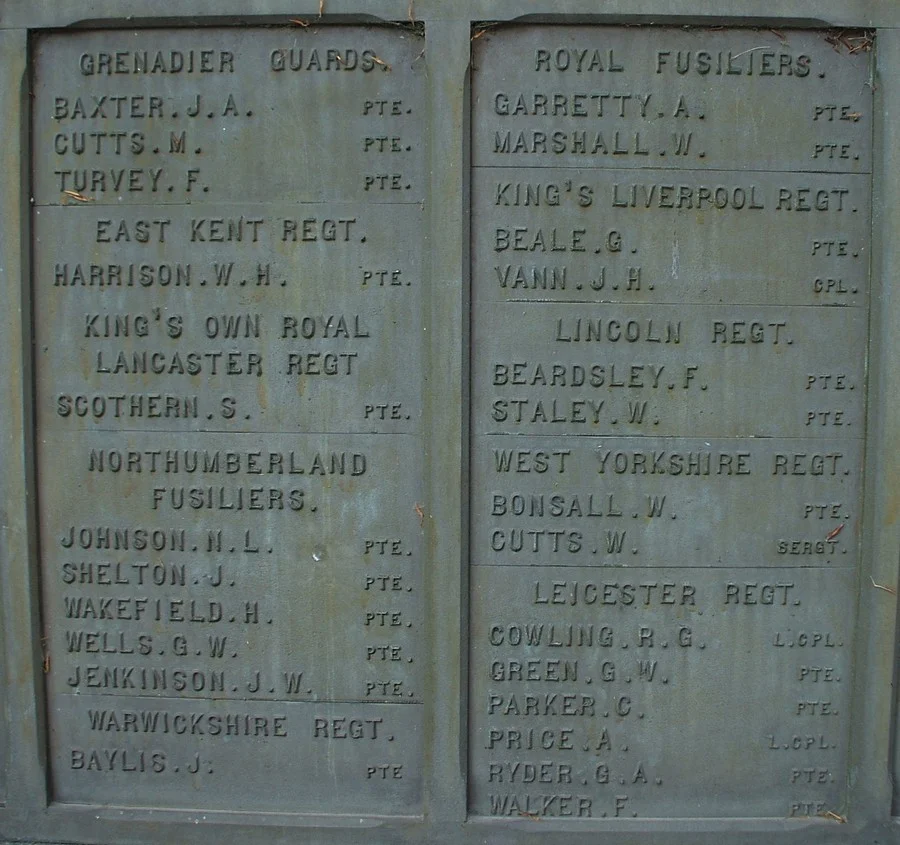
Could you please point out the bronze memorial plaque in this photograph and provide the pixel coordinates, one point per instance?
(450, 423)
(229, 416)
(670, 259)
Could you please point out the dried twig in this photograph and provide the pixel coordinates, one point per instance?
(420, 513)
(831, 814)
(850, 41)
(482, 29)
(299, 22)
(750, 50)
(77, 196)
(890, 590)
(832, 534)
(381, 62)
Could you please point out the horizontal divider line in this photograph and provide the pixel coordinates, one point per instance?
(619, 304)
(622, 303)
(207, 700)
(623, 568)
(728, 437)
(797, 172)
(206, 203)
(285, 431)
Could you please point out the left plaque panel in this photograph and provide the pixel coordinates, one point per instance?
(227, 273)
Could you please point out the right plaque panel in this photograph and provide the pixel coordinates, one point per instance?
(670, 263)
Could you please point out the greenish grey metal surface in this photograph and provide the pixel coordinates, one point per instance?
(417, 408)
